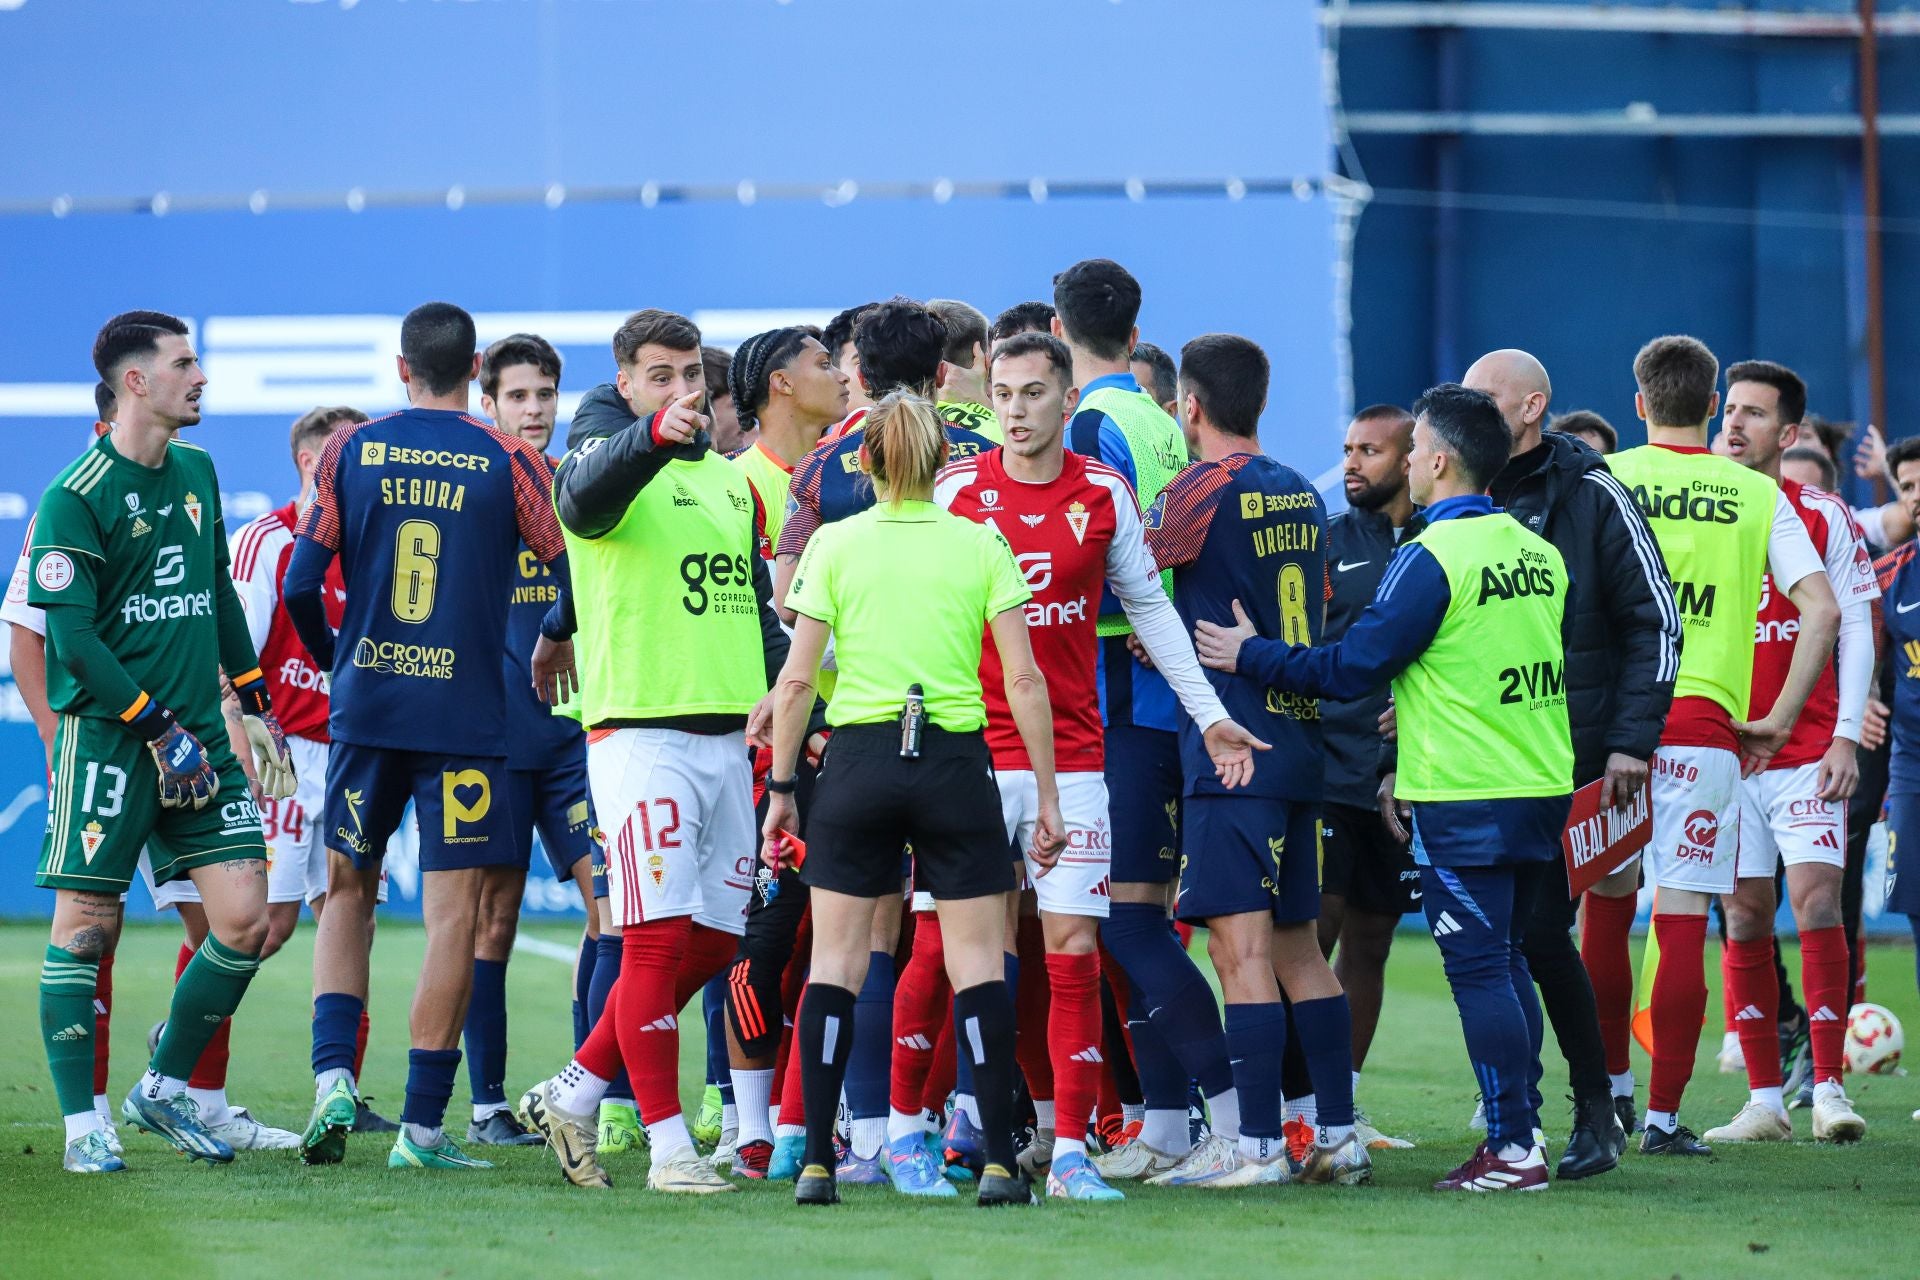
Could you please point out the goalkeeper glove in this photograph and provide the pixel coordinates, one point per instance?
(272, 761)
(186, 778)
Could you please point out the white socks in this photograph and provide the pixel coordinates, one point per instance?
(324, 1082)
(1131, 1111)
(752, 1096)
(1306, 1107)
(1771, 1097)
(578, 1090)
(869, 1134)
(1042, 1114)
(1622, 1084)
(669, 1137)
(158, 1088)
(82, 1123)
(1665, 1121)
(214, 1108)
(900, 1124)
(1166, 1132)
(966, 1102)
(1224, 1109)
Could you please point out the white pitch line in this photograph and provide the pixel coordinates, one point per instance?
(551, 950)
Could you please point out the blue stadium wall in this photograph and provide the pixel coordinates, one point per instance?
(292, 177)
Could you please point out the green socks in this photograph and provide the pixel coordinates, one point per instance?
(206, 995)
(66, 1026)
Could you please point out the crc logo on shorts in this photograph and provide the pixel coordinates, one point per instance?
(1093, 839)
(170, 566)
(1698, 836)
(465, 798)
(390, 658)
(239, 815)
(54, 573)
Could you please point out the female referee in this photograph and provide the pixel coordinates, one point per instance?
(906, 591)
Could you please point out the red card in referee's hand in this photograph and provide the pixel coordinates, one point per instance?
(791, 849)
(1597, 842)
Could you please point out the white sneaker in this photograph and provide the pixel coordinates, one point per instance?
(113, 1134)
(722, 1157)
(1218, 1162)
(1479, 1122)
(1835, 1120)
(686, 1173)
(1733, 1061)
(1038, 1156)
(243, 1133)
(1755, 1122)
(1134, 1160)
(1374, 1140)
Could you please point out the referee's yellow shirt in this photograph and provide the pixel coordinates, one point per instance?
(908, 593)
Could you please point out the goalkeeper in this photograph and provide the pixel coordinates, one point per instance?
(129, 561)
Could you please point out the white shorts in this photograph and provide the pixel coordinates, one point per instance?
(1696, 819)
(677, 810)
(296, 856)
(1782, 817)
(1080, 883)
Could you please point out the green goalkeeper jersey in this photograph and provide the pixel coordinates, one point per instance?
(130, 563)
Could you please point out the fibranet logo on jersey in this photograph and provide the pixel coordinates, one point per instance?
(146, 608)
(391, 658)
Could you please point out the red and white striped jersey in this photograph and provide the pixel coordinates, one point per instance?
(260, 552)
(1068, 536)
(1843, 550)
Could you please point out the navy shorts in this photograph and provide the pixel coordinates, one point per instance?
(1143, 803)
(600, 890)
(1489, 833)
(1240, 854)
(465, 810)
(554, 803)
(1903, 848)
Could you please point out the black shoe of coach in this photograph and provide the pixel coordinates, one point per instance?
(1594, 1145)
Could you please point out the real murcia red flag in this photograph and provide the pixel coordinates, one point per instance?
(1077, 519)
(192, 505)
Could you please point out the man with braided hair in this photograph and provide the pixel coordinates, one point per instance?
(785, 386)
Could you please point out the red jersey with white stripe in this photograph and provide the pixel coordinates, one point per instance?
(1068, 536)
(260, 553)
(1843, 550)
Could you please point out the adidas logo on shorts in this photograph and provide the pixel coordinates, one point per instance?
(1445, 925)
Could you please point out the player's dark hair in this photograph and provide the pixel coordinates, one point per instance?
(1164, 382)
(900, 344)
(437, 341)
(905, 443)
(1833, 436)
(754, 362)
(1098, 301)
(966, 328)
(1829, 474)
(653, 326)
(1586, 420)
(1228, 375)
(1793, 391)
(1059, 359)
(1677, 375)
(517, 348)
(316, 424)
(715, 366)
(1905, 449)
(1385, 413)
(1022, 317)
(839, 330)
(1469, 427)
(131, 334)
(105, 402)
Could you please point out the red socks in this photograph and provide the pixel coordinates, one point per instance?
(1074, 1032)
(1031, 1001)
(1753, 1004)
(648, 1022)
(709, 951)
(1679, 1006)
(1603, 948)
(793, 1100)
(942, 1073)
(922, 998)
(1823, 977)
(360, 1044)
(102, 1021)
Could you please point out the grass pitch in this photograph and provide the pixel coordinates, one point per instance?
(1756, 1212)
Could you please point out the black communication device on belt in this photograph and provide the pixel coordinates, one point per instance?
(913, 723)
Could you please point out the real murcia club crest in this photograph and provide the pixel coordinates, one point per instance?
(1077, 518)
(91, 838)
(192, 506)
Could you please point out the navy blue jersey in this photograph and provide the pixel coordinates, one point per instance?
(1900, 665)
(1250, 529)
(829, 485)
(536, 737)
(426, 509)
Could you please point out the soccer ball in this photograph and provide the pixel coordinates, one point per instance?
(1874, 1039)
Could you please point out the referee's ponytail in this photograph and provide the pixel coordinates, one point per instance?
(905, 445)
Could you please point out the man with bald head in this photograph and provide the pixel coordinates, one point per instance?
(1622, 656)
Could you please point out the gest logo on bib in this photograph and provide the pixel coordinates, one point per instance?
(465, 797)
(706, 573)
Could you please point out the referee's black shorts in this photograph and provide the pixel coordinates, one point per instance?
(1363, 863)
(868, 803)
